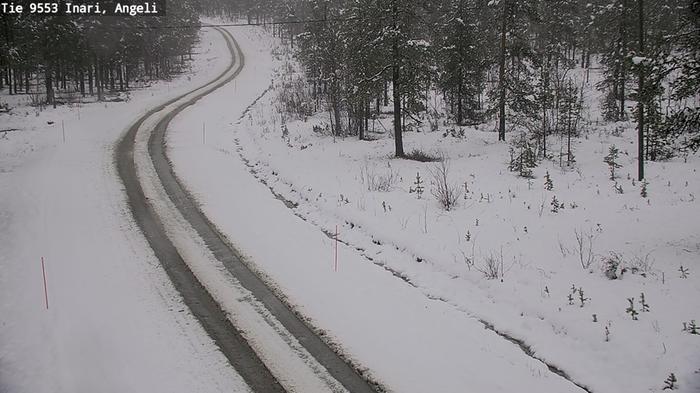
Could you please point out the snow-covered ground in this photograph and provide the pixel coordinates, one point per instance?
(409, 300)
(114, 322)
(403, 339)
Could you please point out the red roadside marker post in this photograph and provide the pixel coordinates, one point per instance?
(46, 292)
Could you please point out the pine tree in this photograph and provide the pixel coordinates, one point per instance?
(611, 160)
(523, 157)
(612, 26)
(462, 55)
(548, 184)
(514, 90)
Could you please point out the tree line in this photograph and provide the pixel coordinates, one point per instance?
(45, 55)
(508, 61)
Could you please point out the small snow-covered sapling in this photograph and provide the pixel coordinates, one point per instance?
(618, 188)
(691, 327)
(546, 290)
(419, 186)
(386, 206)
(642, 301)
(684, 272)
(555, 204)
(468, 236)
(670, 382)
(570, 298)
(548, 184)
(644, 192)
(630, 310)
(611, 264)
(582, 298)
(595, 317)
(611, 160)
(607, 334)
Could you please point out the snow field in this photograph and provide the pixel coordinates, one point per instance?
(114, 323)
(444, 254)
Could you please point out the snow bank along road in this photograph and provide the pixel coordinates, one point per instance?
(143, 181)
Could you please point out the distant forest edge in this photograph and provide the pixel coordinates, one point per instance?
(516, 64)
(53, 58)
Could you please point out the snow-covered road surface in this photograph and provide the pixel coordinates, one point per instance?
(131, 157)
(183, 238)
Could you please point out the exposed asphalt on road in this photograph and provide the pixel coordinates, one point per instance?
(200, 302)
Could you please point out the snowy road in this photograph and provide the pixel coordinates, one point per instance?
(200, 303)
(158, 229)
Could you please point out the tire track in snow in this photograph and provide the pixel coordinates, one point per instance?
(177, 269)
(195, 296)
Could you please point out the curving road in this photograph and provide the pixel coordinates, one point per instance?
(196, 297)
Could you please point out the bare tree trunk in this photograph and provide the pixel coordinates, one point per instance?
(501, 78)
(386, 93)
(545, 78)
(460, 119)
(8, 78)
(81, 75)
(396, 80)
(368, 114)
(99, 79)
(623, 55)
(111, 76)
(48, 82)
(568, 129)
(336, 108)
(641, 95)
(120, 70)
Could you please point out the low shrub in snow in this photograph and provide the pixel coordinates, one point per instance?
(422, 156)
(374, 181)
(443, 190)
